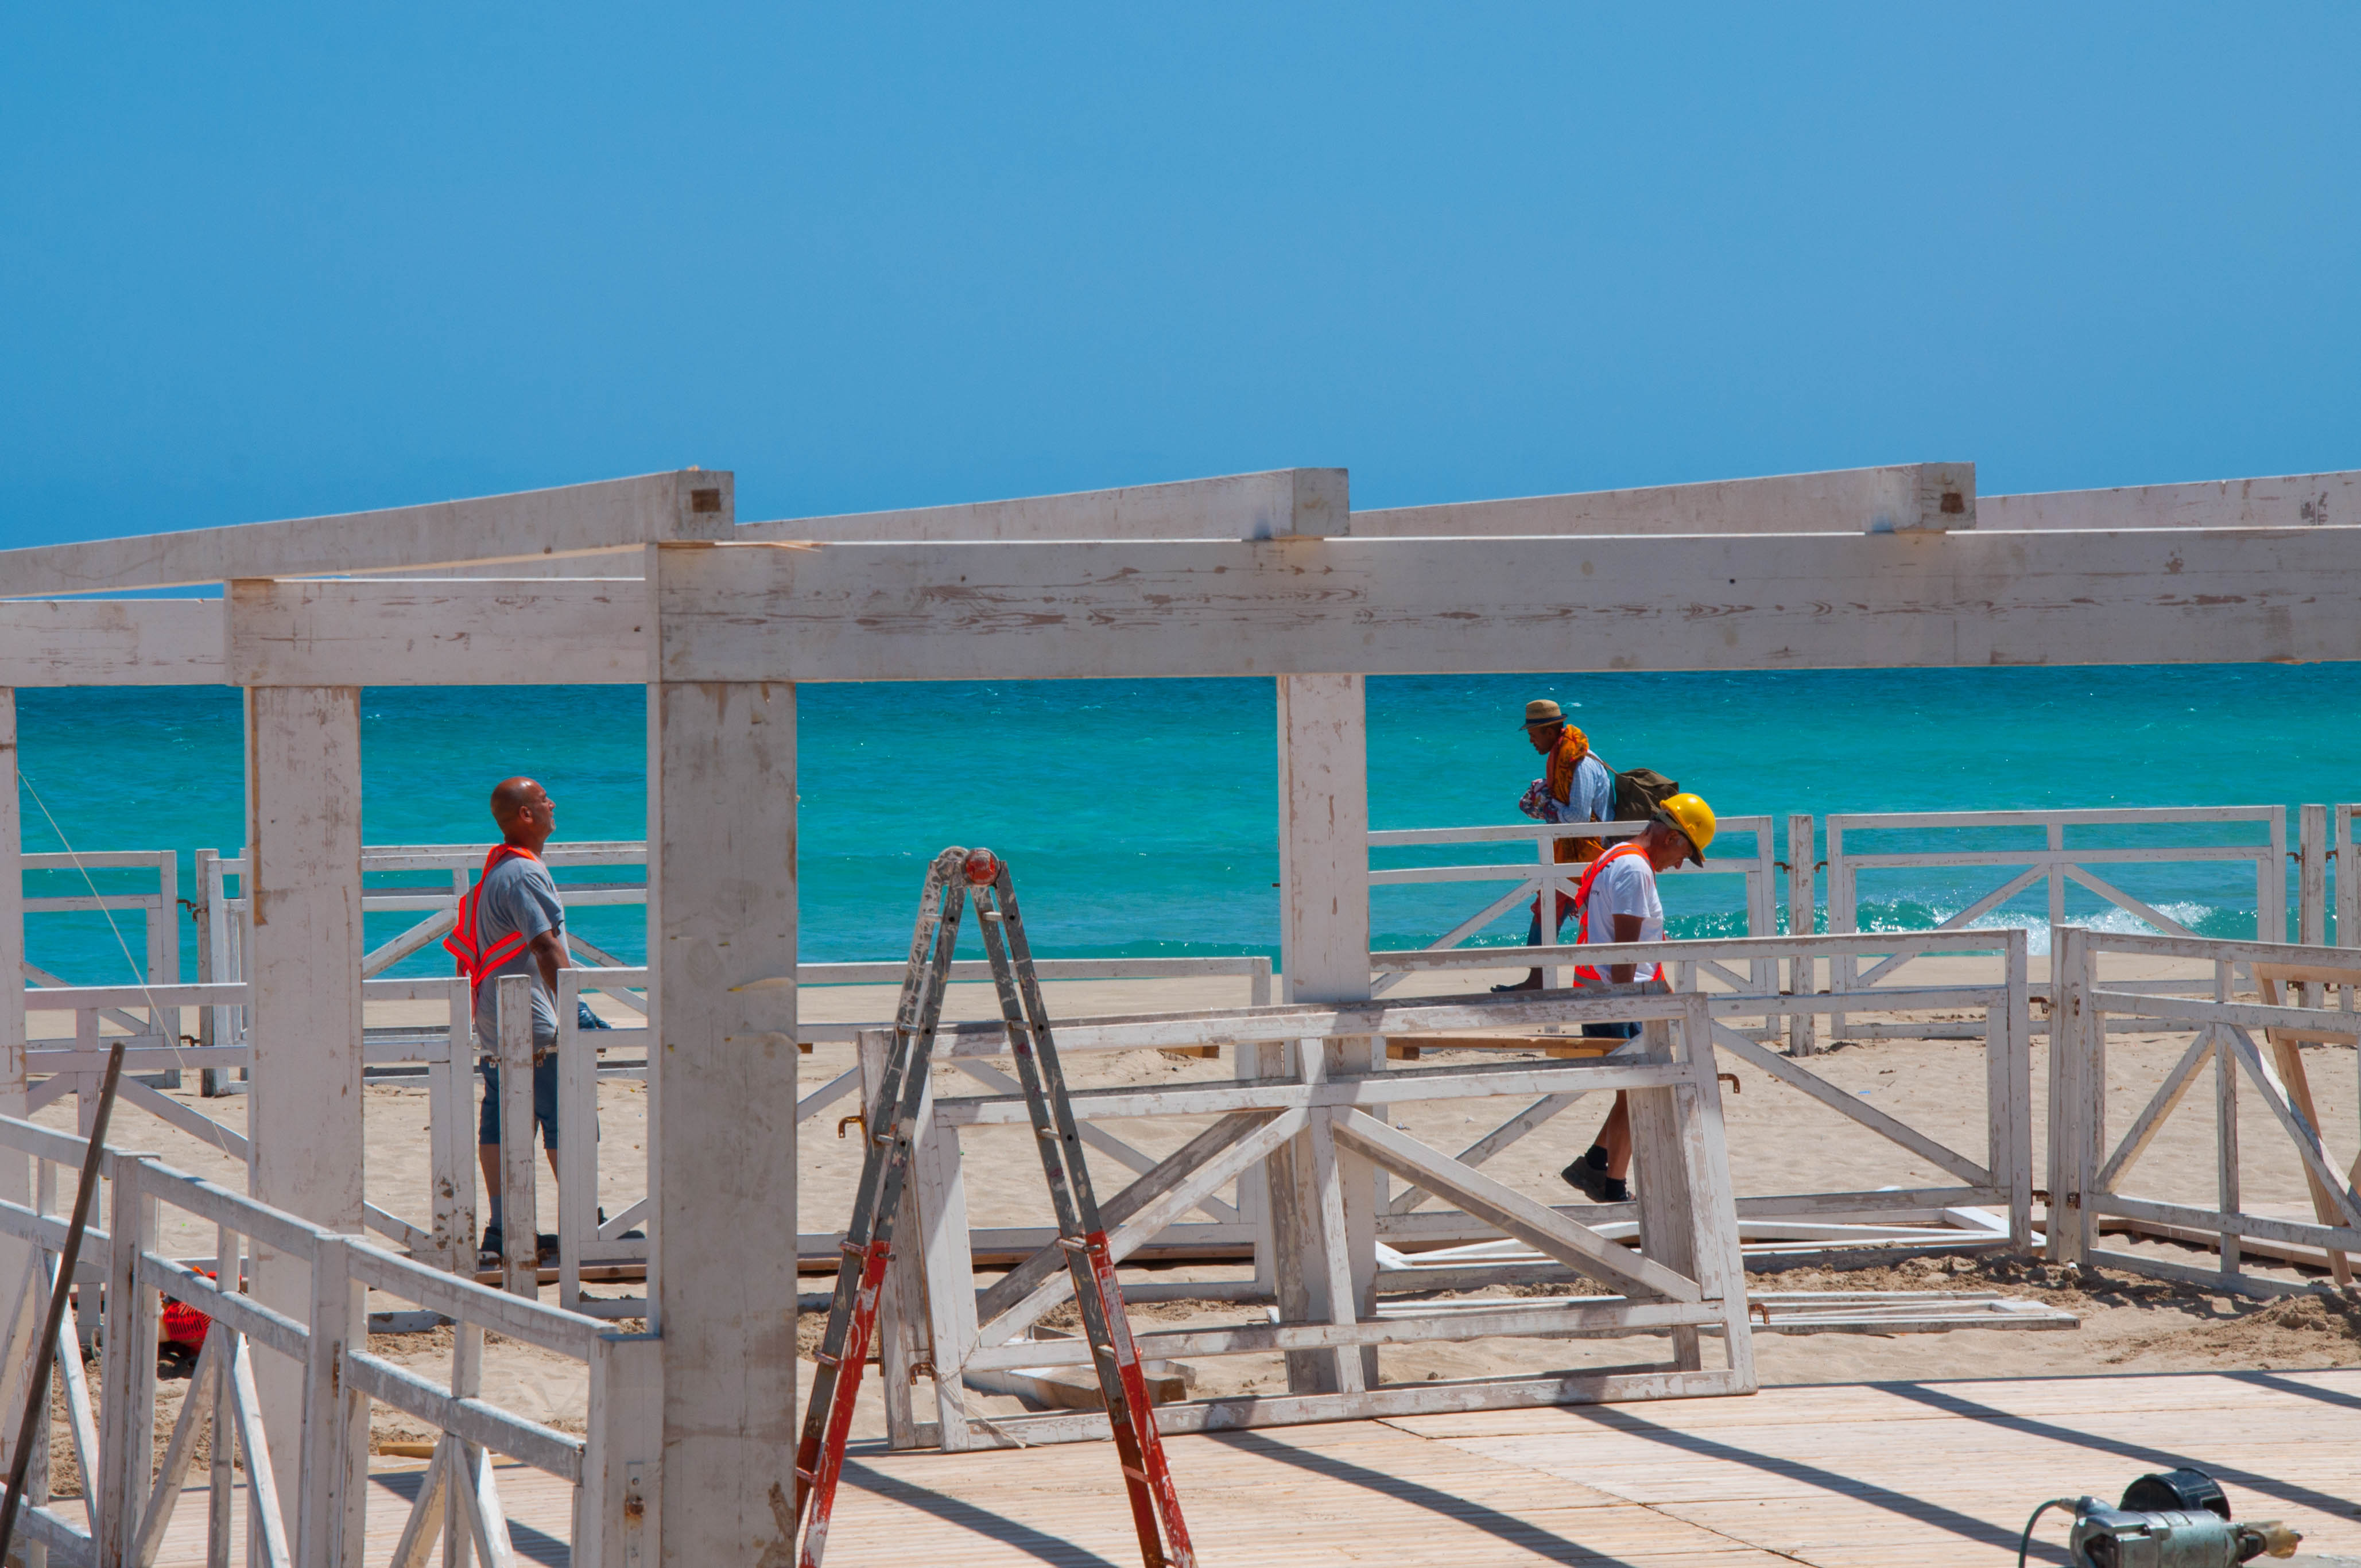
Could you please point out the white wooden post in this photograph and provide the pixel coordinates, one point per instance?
(721, 890)
(467, 1383)
(303, 884)
(16, 1256)
(210, 1031)
(1669, 1216)
(1337, 1188)
(1545, 898)
(221, 948)
(127, 1444)
(1247, 1063)
(1323, 857)
(2312, 887)
(2056, 884)
(451, 1120)
(164, 954)
(329, 1488)
(520, 1195)
(1803, 910)
(1763, 913)
(938, 1193)
(2012, 1095)
(221, 1496)
(1843, 918)
(616, 1527)
(2348, 882)
(2071, 1067)
(578, 1151)
(2225, 1126)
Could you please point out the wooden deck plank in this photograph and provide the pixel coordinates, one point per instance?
(1835, 1476)
(1844, 1477)
(1310, 1495)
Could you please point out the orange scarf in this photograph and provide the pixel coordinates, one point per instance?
(1571, 747)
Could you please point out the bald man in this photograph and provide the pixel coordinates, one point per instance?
(517, 898)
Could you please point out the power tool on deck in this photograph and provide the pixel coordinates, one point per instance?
(2178, 1519)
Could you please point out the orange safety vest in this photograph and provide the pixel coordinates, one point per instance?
(1585, 974)
(466, 941)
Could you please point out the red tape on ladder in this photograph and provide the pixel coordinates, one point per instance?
(823, 1467)
(1151, 1486)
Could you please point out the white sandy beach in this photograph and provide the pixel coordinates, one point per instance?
(1780, 1140)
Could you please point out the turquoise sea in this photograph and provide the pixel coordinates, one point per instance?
(1139, 814)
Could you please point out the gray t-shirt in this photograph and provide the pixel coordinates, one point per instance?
(519, 894)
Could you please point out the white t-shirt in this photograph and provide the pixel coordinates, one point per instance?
(1626, 885)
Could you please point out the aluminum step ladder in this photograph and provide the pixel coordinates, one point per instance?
(956, 876)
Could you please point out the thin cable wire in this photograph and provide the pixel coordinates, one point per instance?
(2024, 1541)
(219, 1137)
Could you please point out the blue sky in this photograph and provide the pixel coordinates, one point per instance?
(257, 262)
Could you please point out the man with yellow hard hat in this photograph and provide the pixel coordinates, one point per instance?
(1617, 902)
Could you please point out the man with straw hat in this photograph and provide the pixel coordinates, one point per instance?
(1575, 786)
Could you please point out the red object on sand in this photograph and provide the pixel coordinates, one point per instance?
(182, 1324)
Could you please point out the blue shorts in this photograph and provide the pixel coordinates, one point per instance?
(1591, 1031)
(545, 1103)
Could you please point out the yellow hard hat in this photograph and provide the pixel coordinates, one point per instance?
(1692, 816)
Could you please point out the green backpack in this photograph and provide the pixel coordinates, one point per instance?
(1639, 792)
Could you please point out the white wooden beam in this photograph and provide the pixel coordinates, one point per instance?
(111, 643)
(303, 830)
(1281, 503)
(628, 561)
(2286, 500)
(434, 633)
(849, 612)
(721, 895)
(527, 525)
(1526, 1219)
(1845, 501)
(1910, 496)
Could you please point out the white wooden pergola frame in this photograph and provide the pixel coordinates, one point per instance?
(1258, 575)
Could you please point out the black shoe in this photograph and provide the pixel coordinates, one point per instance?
(1595, 1184)
(1531, 982)
(493, 1245)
